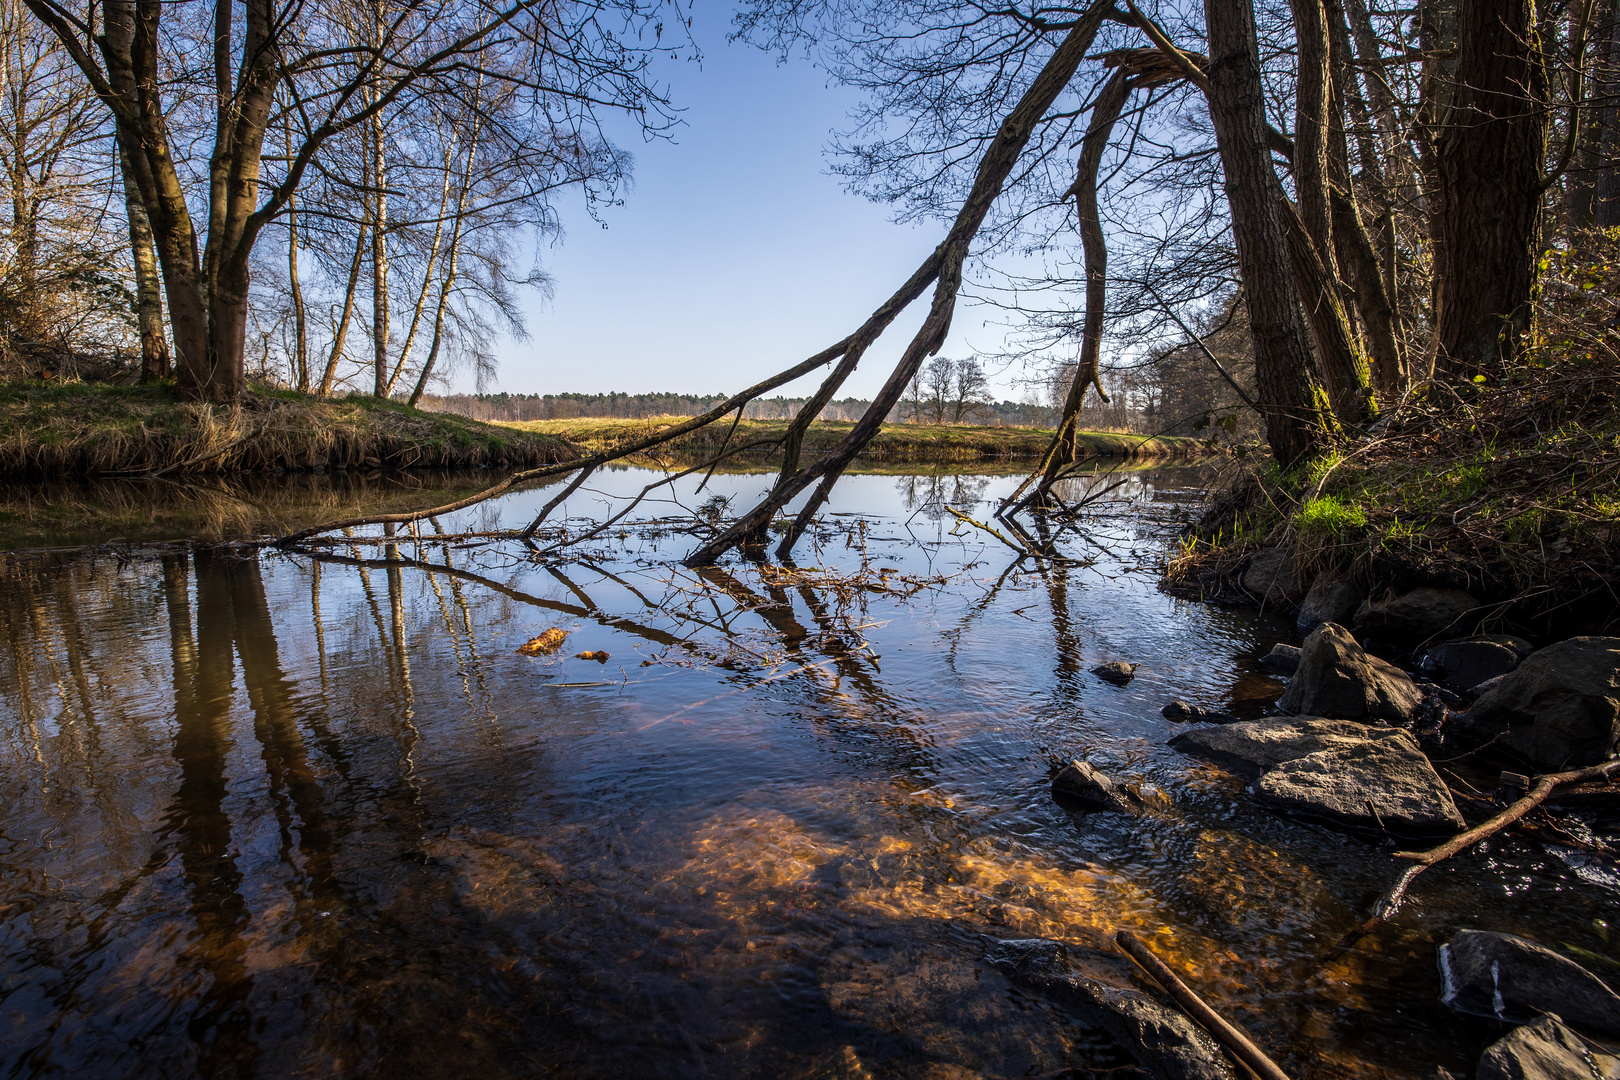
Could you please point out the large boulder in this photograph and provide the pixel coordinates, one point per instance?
(1466, 662)
(1411, 617)
(1371, 778)
(1543, 1050)
(1161, 1038)
(1509, 978)
(1559, 709)
(1337, 678)
(1331, 599)
(1270, 576)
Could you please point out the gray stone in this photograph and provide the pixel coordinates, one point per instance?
(1283, 659)
(1415, 616)
(1117, 672)
(1543, 1050)
(1270, 576)
(1364, 777)
(1467, 662)
(1331, 599)
(1559, 709)
(1512, 979)
(1337, 678)
(1182, 711)
(1162, 1039)
(1080, 780)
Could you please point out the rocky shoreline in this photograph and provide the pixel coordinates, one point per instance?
(1381, 689)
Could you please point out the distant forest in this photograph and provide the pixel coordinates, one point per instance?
(637, 406)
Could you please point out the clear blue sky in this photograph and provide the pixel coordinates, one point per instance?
(734, 255)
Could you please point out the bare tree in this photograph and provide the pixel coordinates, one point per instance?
(333, 84)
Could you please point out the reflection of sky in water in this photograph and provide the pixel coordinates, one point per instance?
(278, 815)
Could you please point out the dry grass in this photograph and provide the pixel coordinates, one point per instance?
(898, 442)
(53, 428)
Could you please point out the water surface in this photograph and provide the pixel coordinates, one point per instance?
(270, 814)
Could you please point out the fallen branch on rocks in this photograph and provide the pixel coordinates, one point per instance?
(1544, 786)
(1240, 1045)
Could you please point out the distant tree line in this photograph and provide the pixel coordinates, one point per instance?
(519, 407)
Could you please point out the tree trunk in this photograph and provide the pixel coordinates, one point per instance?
(1289, 396)
(1489, 163)
(1606, 195)
(300, 316)
(379, 263)
(341, 334)
(148, 283)
(1094, 246)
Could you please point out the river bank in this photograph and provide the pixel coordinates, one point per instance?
(898, 442)
(50, 429)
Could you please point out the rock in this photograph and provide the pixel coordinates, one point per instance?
(1337, 678)
(1182, 711)
(1270, 576)
(1414, 616)
(1543, 1050)
(1512, 979)
(1560, 709)
(1080, 780)
(1372, 778)
(1282, 659)
(1467, 662)
(1331, 599)
(1116, 671)
(1164, 1041)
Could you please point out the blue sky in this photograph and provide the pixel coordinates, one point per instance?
(735, 254)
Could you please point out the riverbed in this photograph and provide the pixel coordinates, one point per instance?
(282, 814)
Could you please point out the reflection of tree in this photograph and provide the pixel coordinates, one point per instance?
(931, 494)
(198, 822)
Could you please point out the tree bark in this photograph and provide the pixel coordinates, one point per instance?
(1489, 163)
(1289, 395)
(148, 283)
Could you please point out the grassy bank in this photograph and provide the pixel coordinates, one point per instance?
(1509, 489)
(55, 429)
(900, 442)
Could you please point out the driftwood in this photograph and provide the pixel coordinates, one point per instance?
(1228, 1034)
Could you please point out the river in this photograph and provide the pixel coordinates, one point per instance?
(266, 814)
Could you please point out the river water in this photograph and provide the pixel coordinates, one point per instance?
(266, 814)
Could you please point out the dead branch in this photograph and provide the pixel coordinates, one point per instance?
(994, 167)
(1544, 786)
(1229, 1035)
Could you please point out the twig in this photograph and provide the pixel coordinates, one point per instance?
(1241, 1046)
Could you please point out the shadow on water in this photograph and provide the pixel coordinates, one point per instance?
(283, 815)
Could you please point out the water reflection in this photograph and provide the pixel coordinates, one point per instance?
(279, 815)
